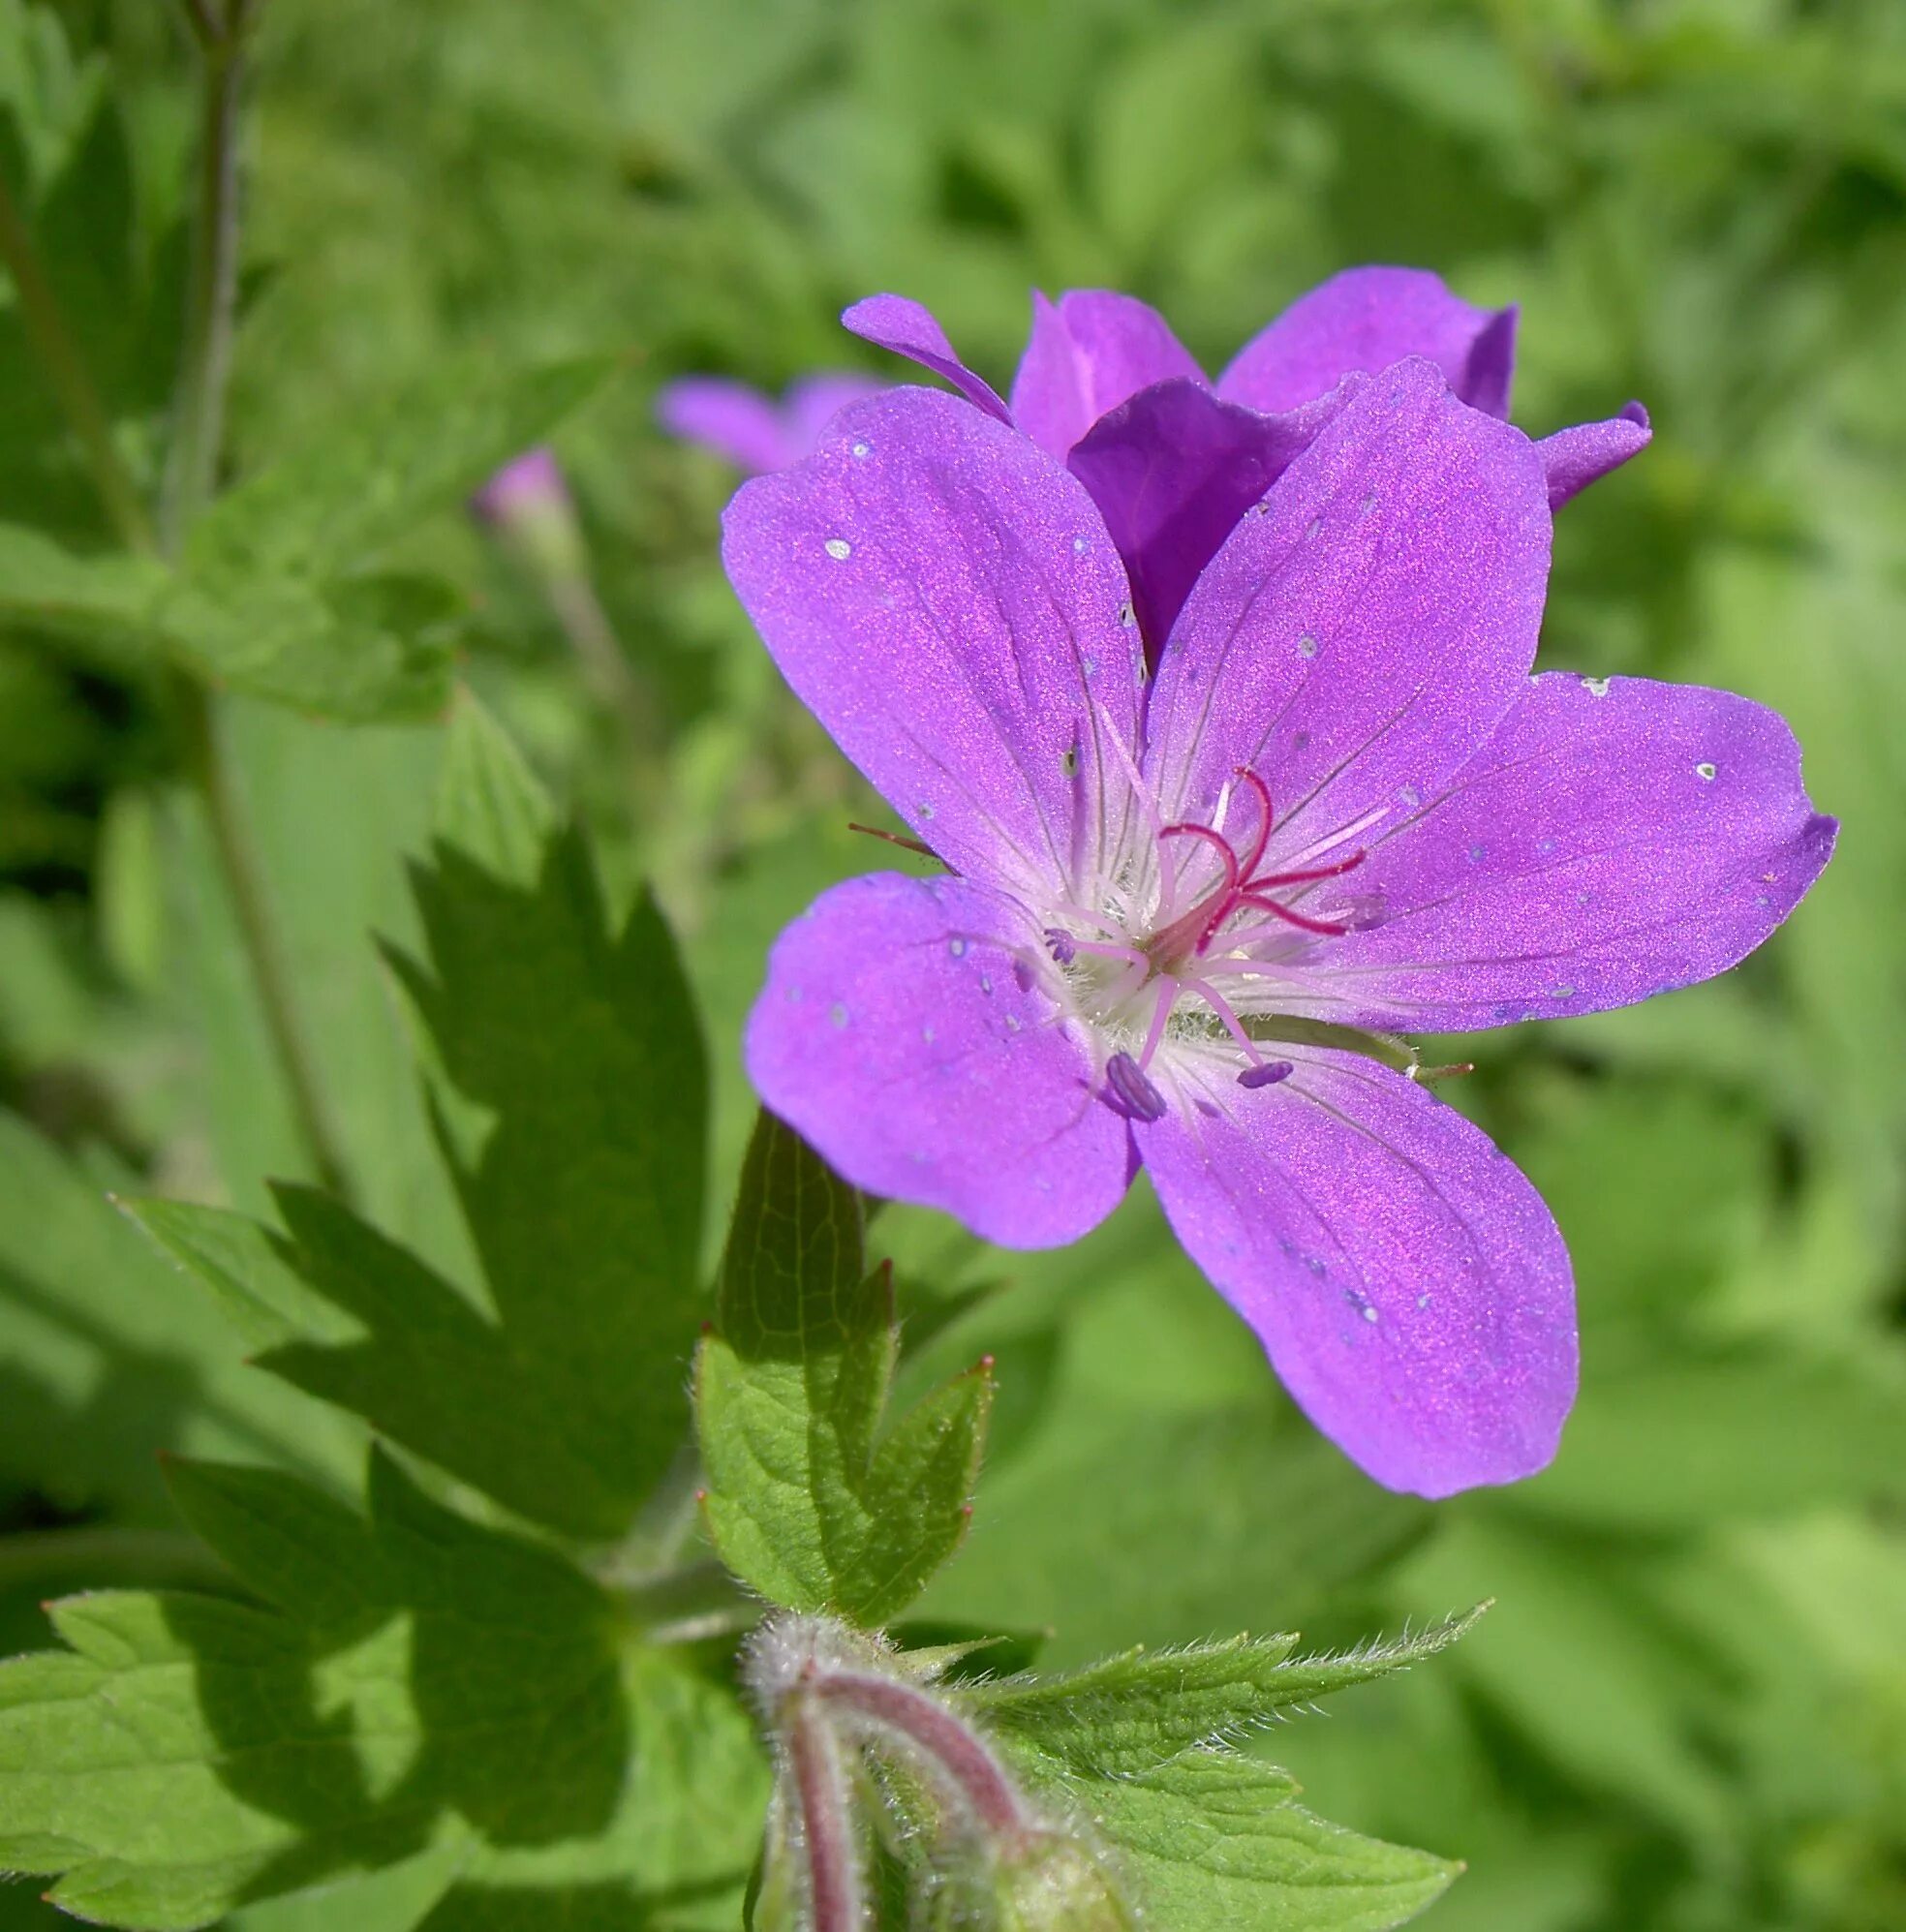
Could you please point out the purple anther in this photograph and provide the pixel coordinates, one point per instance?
(1058, 942)
(1268, 1074)
(1138, 1098)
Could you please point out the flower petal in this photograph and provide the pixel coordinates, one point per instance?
(1171, 469)
(813, 402)
(1087, 354)
(901, 1033)
(910, 329)
(1367, 318)
(1616, 837)
(944, 597)
(1405, 1279)
(1574, 458)
(730, 418)
(1359, 634)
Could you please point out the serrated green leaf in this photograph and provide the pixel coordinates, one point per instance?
(809, 1500)
(418, 1683)
(568, 1096)
(1144, 1707)
(1212, 1839)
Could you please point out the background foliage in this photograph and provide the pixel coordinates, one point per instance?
(1688, 1710)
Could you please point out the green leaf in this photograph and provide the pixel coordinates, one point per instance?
(415, 1685)
(107, 1357)
(568, 1092)
(105, 601)
(1141, 1708)
(1213, 1839)
(811, 1501)
(281, 592)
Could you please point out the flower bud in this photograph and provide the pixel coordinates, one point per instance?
(1046, 1883)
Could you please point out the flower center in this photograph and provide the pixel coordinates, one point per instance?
(1136, 982)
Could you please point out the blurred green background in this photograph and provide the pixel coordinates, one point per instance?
(1688, 1710)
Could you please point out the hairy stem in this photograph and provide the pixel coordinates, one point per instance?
(827, 1837)
(935, 1734)
(53, 344)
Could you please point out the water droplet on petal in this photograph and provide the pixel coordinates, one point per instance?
(1127, 616)
(1476, 855)
(1409, 798)
(926, 1034)
(1315, 528)
(925, 807)
(839, 548)
(986, 982)
(1595, 686)
(838, 1014)
(1563, 993)
(1307, 646)
(1079, 546)
(1705, 772)
(957, 947)
(863, 449)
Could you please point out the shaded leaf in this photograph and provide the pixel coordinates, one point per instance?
(810, 1499)
(414, 1683)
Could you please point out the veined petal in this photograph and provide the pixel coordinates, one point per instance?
(1405, 1279)
(1367, 318)
(732, 419)
(1363, 630)
(908, 328)
(902, 1032)
(1574, 458)
(944, 597)
(1172, 469)
(1087, 353)
(1616, 837)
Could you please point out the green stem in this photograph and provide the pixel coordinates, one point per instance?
(191, 473)
(199, 415)
(52, 343)
(686, 1606)
(106, 1555)
(210, 766)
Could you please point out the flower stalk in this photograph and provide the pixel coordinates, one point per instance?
(191, 475)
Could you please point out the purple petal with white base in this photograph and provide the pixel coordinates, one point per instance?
(1362, 636)
(1367, 319)
(1574, 458)
(910, 329)
(1405, 1279)
(1616, 838)
(1340, 795)
(944, 597)
(901, 1033)
(1171, 469)
(1088, 353)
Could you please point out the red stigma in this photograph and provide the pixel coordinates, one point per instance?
(1243, 884)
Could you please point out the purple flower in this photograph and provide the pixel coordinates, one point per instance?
(753, 430)
(1171, 460)
(527, 486)
(1340, 797)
